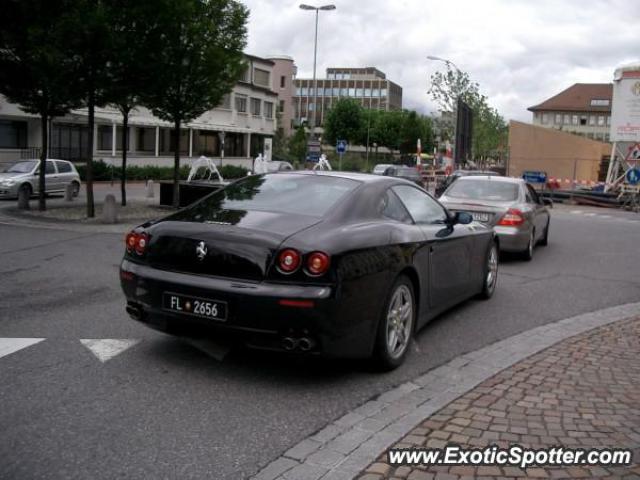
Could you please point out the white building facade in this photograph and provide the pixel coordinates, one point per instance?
(233, 133)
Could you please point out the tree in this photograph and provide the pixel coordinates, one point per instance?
(415, 127)
(344, 121)
(92, 50)
(132, 30)
(36, 70)
(298, 144)
(197, 58)
(489, 128)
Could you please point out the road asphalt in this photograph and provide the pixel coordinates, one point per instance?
(87, 393)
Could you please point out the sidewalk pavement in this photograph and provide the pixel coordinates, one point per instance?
(582, 392)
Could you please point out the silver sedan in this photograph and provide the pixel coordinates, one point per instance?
(519, 216)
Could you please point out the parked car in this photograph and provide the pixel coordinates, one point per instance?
(511, 206)
(279, 166)
(380, 168)
(24, 175)
(409, 173)
(456, 174)
(326, 263)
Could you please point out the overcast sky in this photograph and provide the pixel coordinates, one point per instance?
(520, 52)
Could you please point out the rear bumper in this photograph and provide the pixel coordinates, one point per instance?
(255, 317)
(512, 239)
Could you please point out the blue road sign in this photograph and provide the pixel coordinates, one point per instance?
(633, 176)
(534, 177)
(341, 146)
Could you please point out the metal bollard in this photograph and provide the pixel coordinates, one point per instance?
(150, 189)
(23, 199)
(109, 209)
(68, 192)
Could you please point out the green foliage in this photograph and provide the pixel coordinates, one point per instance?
(344, 122)
(298, 145)
(105, 172)
(197, 56)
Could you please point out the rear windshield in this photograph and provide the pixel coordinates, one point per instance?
(483, 190)
(379, 169)
(286, 193)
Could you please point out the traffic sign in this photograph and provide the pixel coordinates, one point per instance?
(633, 176)
(534, 177)
(314, 150)
(341, 146)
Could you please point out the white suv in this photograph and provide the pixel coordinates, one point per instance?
(24, 174)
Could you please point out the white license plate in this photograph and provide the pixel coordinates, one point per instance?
(198, 307)
(480, 217)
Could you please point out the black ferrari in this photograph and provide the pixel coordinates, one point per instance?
(325, 263)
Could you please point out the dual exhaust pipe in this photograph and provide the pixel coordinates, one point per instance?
(304, 344)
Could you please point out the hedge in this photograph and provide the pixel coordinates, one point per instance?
(105, 172)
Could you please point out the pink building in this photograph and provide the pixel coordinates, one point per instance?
(282, 82)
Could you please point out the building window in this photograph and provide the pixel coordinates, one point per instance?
(281, 106)
(352, 92)
(226, 101)
(383, 92)
(567, 119)
(608, 121)
(558, 119)
(283, 81)
(346, 76)
(241, 103)
(375, 93)
(338, 76)
(574, 120)
(13, 134)
(256, 103)
(268, 109)
(600, 121)
(599, 102)
(311, 107)
(245, 76)
(303, 91)
(367, 92)
(146, 139)
(592, 120)
(327, 92)
(583, 120)
(335, 92)
(261, 77)
(359, 92)
(545, 118)
(105, 137)
(344, 92)
(331, 76)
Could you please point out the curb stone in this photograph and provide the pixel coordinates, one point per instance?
(345, 447)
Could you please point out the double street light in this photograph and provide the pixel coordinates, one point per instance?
(304, 6)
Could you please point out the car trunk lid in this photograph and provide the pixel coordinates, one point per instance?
(487, 212)
(228, 243)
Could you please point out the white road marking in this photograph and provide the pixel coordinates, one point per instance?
(106, 348)
(11, 345)
(576, 211)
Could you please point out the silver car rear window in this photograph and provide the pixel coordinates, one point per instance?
(483, 189)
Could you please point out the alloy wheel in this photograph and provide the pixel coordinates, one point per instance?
(492, 269)
(399, 321)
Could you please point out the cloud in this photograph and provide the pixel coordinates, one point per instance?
(520, 52)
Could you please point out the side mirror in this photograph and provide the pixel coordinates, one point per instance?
(463, 218)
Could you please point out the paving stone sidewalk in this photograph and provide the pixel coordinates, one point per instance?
(581, 392)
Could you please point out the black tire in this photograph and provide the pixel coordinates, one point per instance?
(544, 241)
(527, 254)
(76, 189)
(385, 359)
(25, 187)
(490, 267)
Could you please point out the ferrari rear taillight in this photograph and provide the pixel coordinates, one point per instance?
(288, 260)
(137, 242)
(317, 263)
(512, 218)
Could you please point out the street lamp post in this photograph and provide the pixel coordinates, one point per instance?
(315, 55)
